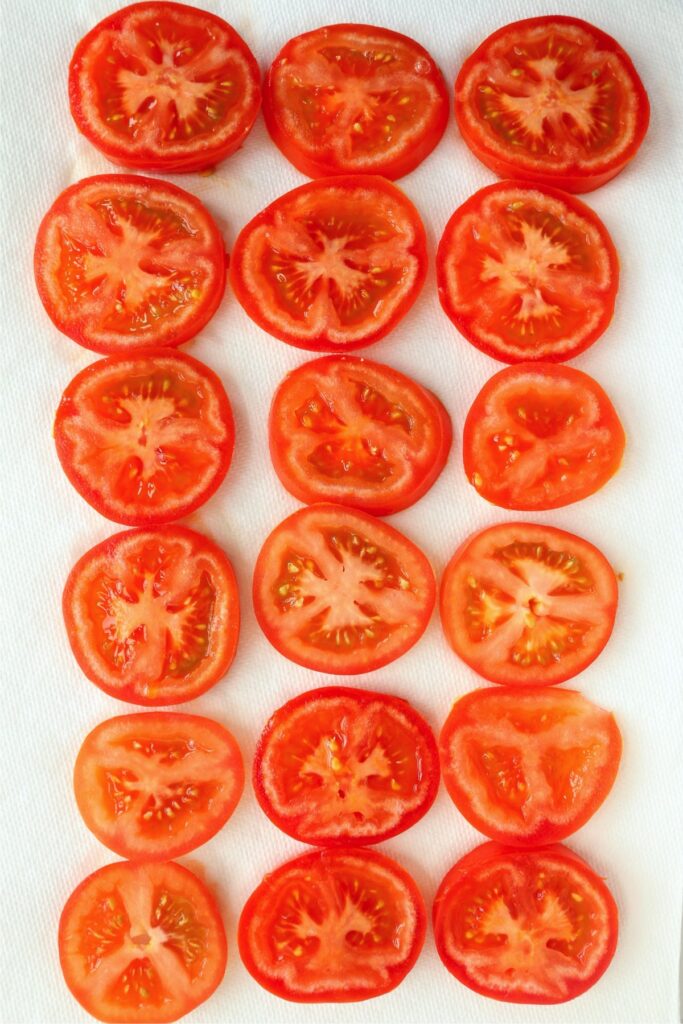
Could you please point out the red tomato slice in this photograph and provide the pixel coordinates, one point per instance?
(164, 86)
(345, 767)
(124, 262)
(528, 766)
(552, 100)
(158, 785)
(527, 274)
(526, 604)
(338, 591)
(358, 433)
(141, 943)
(145, 438)
(355, 99)
(540, 436)
(333, 926)
(525, 926)
(332, 265)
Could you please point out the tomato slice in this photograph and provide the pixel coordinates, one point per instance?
(141, 943)
(164, 86)
(554, 101)
(526, 604)
(124, 262)
(527, 274)
(332, 265)
(345, 767)
(525, 926)
(145, 438)
(338, 591)
(355, 99)
(333, 926)
(540, 436)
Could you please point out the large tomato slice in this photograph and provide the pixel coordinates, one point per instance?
(347, 430)
(540, 436)
(528, 604)
(355, 99)
(343, 767)
(526, 273)
(338, 591)
(124, 262)
(141, 943)
(333, 926)
(145, 438)
(332, 265)
(164, 86)
(525, 926)
(552, 100)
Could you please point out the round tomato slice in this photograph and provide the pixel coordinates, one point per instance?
(528, 766)
(333, 926)
(145, 438)
(141, 943)
(526, 604)
(527, 274)
(338, 591)
(358, 433)
(552, 100)
(525, 926)
(164, 86)
(124, 262)
(355, 99)
(540, 436)
(345, 767)
(332, 265)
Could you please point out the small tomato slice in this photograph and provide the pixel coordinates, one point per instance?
(124, 262)
(333, 926)
(355, 99)
(526, 604)
(165, 87)
(332, 265)
(146, 438)
(526, 273)
(157, 785)
(345, 767)
(552, 100)
(141, 943)
(539, 436)
(525, 926)
(338, 591)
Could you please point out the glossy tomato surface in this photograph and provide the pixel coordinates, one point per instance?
(333, 926)
(552, 100)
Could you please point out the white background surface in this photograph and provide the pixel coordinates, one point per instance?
(49, 706)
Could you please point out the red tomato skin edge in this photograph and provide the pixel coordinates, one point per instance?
(568, 182)
(366, 696)
(462, 322)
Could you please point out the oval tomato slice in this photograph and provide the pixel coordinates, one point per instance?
(333, 926)
(344, 767)
(528, 766)
(164, 86)
(141, 943)
(155, 786)
(552, 100)
(540, 436)
(146, 438)
(124, 262)
(331, 265)
(338, 591)
(528, 604)
(355, 99)
(358, 433)
(526, 273)
(525, 926)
